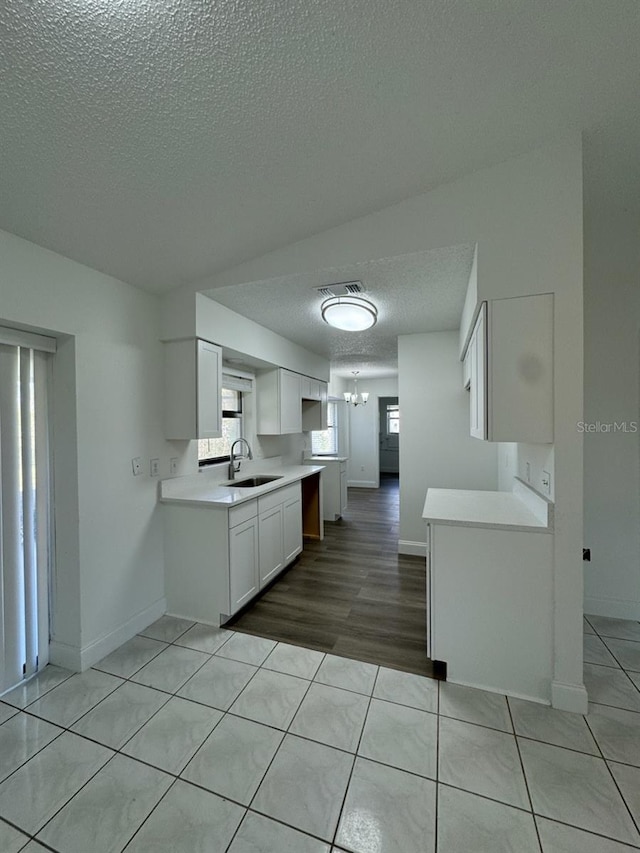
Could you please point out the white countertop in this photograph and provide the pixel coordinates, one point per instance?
(327, 459)
(521, 509)
(200, 490)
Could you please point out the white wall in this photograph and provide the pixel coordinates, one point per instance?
(364, 461)
(107, 400)
(612, 395)
(436, 450)
(526, 217)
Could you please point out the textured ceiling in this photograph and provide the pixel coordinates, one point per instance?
(163, 141)
(418, 292)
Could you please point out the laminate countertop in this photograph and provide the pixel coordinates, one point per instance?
(200, 490)
(520, 509)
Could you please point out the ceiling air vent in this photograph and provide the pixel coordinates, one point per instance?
(341, 288)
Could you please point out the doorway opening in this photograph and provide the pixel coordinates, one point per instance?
(389, 436)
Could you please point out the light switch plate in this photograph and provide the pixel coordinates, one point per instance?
(136, 465)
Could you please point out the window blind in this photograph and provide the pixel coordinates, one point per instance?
(24, 512)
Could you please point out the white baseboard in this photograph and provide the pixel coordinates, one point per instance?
(616, 608)
(569, 697)
(412, 549)
(362, 484)
(540, 700)
(68, 657)
(77, 660)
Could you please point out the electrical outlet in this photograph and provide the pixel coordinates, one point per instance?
(173, 465)
(136, 466)
(154, 467)
(528, 470)
(546, 482)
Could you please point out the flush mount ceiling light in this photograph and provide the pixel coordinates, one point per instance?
(349, 313)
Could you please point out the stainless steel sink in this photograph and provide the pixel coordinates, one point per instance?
(252, 482)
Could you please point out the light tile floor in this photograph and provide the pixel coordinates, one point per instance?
(195, 740)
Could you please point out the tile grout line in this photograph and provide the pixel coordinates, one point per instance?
(334, 837)
(524, 774)
(606, 764)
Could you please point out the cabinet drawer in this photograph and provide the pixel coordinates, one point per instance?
(279, 496)
(243, 512)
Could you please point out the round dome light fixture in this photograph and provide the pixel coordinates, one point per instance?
(349, 313)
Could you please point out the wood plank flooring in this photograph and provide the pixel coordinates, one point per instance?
(351, 594)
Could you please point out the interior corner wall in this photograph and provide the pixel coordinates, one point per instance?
(107, 398)
(436, 449)
(612, 412)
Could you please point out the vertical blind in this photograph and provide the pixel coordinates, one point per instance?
(24, 512)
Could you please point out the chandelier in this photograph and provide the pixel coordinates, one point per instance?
(354, 397)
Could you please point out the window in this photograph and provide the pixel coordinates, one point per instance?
(325, 442)
(393, 420)
(218, 449)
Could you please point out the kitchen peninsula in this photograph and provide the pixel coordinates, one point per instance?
(490, 589)
(225, 541)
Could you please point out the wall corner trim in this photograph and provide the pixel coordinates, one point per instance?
(569, 697)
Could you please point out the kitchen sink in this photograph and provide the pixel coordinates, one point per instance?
(252, 482)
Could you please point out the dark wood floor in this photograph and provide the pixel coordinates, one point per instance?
(351, 594)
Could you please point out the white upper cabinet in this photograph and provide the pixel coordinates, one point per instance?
(477, 356)
(510, 365)
(193, 380)
(279, 402)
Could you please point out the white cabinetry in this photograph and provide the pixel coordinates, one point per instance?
(490, 608)
(334, 486)
(292, 526)
(244, 581)
(314, 406)
(510, 368)
(217, 560)
(280, 530)
(478, 376)
(279, 402)
(193, 379)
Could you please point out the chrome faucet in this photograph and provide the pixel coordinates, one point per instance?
(233, 468)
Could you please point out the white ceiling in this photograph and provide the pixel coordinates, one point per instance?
(162, 141)
(417, 292)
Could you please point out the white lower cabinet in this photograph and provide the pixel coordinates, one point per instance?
(279, 530)
(218, 559)
(334, 485)
(292, 527)
(244, 582)
(271, 544)
(489, 608)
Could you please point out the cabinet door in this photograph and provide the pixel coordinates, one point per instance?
(290, 402)
(292, 529)
(271, 544)
(478, 388)
(243, 563)
(209, 370)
